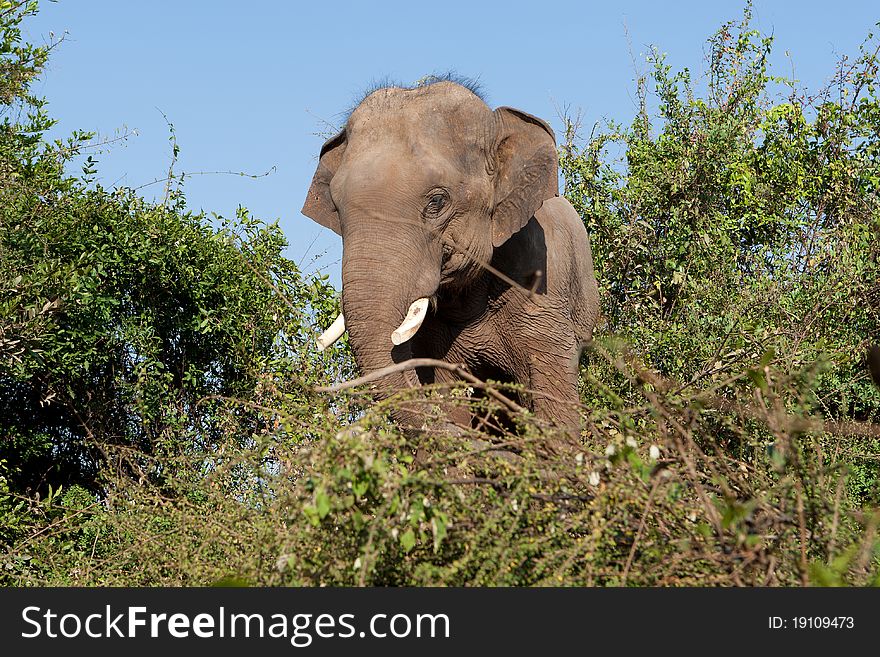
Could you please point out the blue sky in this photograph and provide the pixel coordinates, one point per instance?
(255, 86)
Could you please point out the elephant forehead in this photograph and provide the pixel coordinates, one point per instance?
(407, 154)
(408, 136)
(392, 168)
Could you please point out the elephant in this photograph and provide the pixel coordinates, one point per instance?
(457, 246)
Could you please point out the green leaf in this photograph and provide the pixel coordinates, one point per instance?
(408, 540)
(438, 527)
(322, 503)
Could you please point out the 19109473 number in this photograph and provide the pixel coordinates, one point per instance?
(823, 622)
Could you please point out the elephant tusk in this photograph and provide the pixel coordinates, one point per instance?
(332, 334)
(411, 323)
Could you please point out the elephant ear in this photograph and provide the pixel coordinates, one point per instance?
(525, 168)
(319, 205)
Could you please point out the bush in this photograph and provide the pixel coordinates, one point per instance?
(125, 325)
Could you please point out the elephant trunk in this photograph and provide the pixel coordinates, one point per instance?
(382, 275)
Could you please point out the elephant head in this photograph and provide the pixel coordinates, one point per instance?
(423, 184)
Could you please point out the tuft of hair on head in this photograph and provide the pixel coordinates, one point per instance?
(386, 82)
(471, 84)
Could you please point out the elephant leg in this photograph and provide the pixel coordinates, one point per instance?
(554, 396)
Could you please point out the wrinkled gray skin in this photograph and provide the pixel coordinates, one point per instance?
(426, 184)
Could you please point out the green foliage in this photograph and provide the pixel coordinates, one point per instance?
(745, 220)
(159, 422)
(20, 63)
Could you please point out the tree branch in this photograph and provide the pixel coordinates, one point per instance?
(458, 370)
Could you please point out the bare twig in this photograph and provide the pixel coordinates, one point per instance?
(190, 174)
(632, 550)
(458, 370)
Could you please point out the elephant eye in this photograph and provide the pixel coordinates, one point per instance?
(436, 203)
